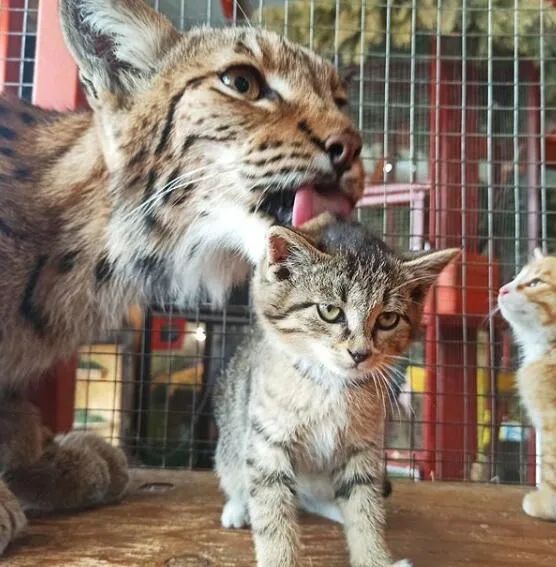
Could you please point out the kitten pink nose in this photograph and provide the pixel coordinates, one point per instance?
(504, 290)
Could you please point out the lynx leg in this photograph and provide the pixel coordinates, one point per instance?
(94, 473)
(12, 518)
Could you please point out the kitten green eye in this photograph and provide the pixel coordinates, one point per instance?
(245, 80)
(535, 282)
(387, 320)
(330, 313)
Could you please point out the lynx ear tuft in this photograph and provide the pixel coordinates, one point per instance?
(116, 44)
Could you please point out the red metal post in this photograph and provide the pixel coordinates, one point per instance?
(11, 40)
(450, 411)
(56, 83)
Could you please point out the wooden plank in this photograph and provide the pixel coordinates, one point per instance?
(433, 524)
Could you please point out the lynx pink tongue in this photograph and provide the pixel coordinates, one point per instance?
(309, 203)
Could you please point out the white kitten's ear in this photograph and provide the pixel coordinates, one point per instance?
(537, 254)
(117, 44)
(426, 268)
(285, 246)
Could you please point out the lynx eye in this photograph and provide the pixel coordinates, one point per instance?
(535, 282)
(245, 80)
(330, 313)
(387, 320)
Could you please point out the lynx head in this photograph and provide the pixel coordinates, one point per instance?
(213, 135)
(343, 300)
(528, 303)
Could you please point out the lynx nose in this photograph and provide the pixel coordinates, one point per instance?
(343, 149)
(359, 355)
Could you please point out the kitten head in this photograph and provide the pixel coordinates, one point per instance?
(528, 302)
(342, 299)
(211, 136)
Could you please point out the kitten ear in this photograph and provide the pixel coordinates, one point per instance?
(116, 45)
(426, 268)
(285, 246)
(537, 254)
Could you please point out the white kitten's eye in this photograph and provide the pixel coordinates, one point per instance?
(330, 313)
(535, 282)
(387, 320)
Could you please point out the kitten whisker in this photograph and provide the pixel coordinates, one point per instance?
(382, 393)
(393, 397)
(397, 357)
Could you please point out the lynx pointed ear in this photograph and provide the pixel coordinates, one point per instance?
(116, 44)
(537, 254)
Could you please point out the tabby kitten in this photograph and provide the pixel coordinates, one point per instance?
(195, 144)
(300, 409)
(528, 303)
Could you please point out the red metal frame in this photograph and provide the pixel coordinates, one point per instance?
(56, 86)
(413, 194)
(450, 397)
(11, 30)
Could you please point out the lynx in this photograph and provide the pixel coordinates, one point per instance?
(194, 145)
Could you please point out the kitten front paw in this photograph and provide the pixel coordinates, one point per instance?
(235, 515)
(402, 563)
(12, 518)
(540, 503)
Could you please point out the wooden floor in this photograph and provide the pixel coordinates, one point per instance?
(434, 525)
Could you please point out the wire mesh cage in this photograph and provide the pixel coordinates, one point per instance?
(455, 100)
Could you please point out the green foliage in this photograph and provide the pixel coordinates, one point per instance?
(313, 24)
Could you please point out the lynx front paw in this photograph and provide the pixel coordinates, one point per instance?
(235, 515)
(540, 503)
(93, 473)
(116, 462)
(12, 518)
